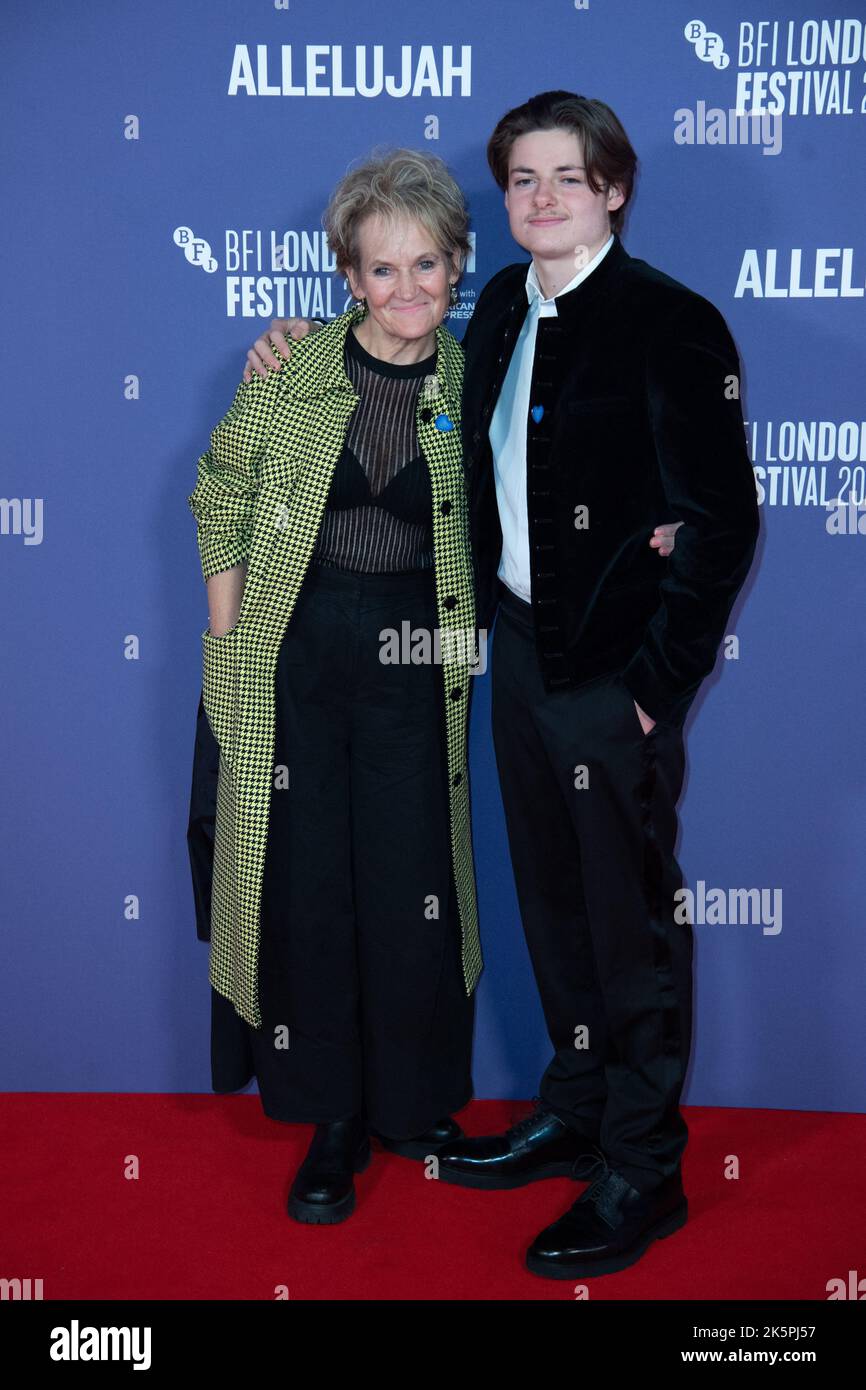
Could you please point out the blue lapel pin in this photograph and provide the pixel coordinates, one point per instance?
(537, 412)
(443, 423)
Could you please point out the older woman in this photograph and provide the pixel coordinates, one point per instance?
(331, 519)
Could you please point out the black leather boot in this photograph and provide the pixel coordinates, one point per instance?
(323, 1192)
(539, 1146)
(609, 1227)
(445, 1131)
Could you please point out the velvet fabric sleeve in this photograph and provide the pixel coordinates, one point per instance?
(692, 377)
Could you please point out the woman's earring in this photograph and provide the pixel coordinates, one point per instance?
(454, 297)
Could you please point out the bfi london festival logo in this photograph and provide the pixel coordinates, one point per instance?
(808, 463)
(791, 67)
(709, 47)
(196, 250)
(286, 274)
(712, 125)
(812, 463)
(270, 274)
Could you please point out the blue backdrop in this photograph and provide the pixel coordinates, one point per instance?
(124, 123)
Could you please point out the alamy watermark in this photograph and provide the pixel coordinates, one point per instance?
(422, 646)
(730, 906)
(714, 126)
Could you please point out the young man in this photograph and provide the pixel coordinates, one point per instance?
(600, 397)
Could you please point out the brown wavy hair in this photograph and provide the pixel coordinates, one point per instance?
(608, 156)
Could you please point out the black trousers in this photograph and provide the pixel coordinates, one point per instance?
(361, 986)
(594, 867)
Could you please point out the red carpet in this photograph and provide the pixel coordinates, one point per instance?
(206, 1216)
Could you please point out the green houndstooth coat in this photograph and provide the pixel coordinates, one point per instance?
(259, 497)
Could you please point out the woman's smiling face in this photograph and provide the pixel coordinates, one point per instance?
(404, 277)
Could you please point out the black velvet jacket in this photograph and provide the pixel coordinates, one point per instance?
(641, 424)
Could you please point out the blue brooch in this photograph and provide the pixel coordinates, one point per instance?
(443, 423)
(537, 412)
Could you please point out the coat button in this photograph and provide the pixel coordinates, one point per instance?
(476, 438)
(426, 414)
(445, 507)
(455, 782)
(450, 602)
(456, 693)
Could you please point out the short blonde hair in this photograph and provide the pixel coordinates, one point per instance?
(398, 183)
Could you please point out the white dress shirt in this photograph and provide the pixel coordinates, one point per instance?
(508, 432)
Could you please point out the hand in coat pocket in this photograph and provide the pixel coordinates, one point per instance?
(219, 685)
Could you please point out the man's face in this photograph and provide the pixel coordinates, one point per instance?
(552, 211)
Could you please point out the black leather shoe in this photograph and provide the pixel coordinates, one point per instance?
(445, 1131)
(539, 1146)
(323, 1192)
(609, 1227)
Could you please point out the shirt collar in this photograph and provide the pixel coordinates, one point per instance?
(546, 308)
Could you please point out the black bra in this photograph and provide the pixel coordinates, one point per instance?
(408, 495)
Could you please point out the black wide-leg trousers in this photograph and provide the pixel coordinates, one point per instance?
(361, 985)
(590, 807)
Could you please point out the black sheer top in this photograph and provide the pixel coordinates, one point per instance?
(379, 512)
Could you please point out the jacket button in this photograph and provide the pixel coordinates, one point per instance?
(456, 693)
(426, 414)
(457, 780)
(445, 507)
(476, 438)
(450, 602)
